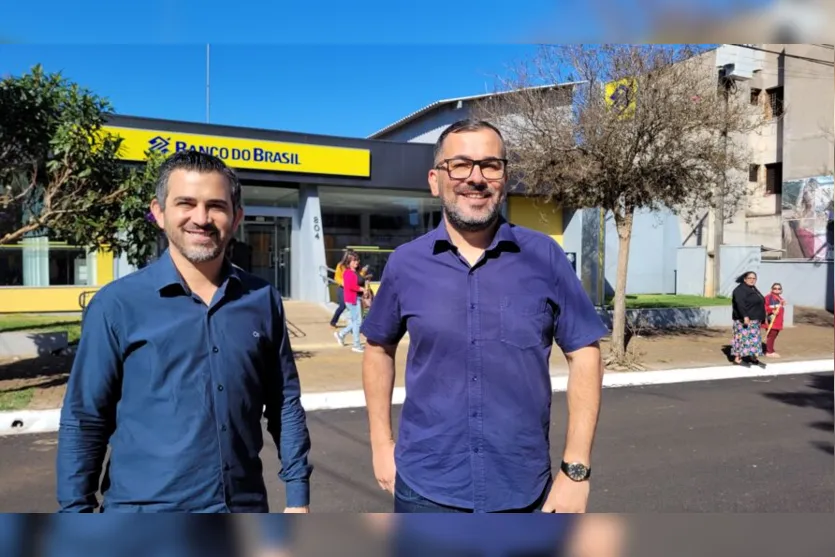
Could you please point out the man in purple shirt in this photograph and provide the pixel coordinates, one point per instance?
(475, 423)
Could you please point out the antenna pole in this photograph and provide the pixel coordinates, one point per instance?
(207, 83)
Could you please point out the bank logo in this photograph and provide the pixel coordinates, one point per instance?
(621, 98)
(159, 144)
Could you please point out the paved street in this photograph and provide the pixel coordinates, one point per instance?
(750, 445)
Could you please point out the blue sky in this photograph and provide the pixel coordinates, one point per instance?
(316, 66)
(350, 90)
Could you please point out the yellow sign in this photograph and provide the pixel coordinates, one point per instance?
(250, 154)
(620, 95)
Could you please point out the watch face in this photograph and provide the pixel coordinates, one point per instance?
(576, 471)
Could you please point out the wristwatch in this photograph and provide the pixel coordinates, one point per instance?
(576, 471)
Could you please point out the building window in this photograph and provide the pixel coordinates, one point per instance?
(774, 108)
(374, 222)
(774, 178)
(269, 196)
(36, 261)
(755, 96)
(753, 173)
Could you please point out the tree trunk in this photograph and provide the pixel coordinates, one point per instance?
(624, 228)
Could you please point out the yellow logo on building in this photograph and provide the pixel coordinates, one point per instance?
(250, 154)
(621, 95)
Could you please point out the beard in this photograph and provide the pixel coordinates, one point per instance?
(476, 222)
(209, 251)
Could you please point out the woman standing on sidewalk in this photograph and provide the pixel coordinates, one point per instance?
(748, 314)
(352, 289)
(775, 306)
(338, 278)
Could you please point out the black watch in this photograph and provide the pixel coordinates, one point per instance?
(576, 471)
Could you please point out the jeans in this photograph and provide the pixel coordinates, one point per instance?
(407, 500)
(340, 300)
(354, 322)
(474, 537)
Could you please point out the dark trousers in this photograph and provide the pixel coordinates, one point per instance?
(769, 340)
(407, 500)
(340, 299)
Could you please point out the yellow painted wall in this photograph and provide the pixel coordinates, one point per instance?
(42, 299)
(537, 215)
(104, 267)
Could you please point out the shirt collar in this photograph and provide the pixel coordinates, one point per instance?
(168, 279)
(504, 239)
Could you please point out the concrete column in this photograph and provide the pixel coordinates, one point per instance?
(365, 229)
(309, 259)
(121, 267)
(35, 261)
(592, 269)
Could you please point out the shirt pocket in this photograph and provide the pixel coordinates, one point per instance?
(526, 321)
(248, 348)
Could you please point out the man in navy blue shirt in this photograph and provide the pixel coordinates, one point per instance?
(482, 301)
(175, 367)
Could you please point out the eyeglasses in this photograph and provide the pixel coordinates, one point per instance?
(460, 168)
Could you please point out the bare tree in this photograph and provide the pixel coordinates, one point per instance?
(646, 127)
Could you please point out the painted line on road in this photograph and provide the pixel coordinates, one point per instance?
(46, 421)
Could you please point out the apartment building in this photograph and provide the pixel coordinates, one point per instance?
(790, 175)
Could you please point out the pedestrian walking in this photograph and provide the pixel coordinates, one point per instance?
(775, 307)
(338, 278)
(748, 312)
(176, 364)
(352, 303)
(474, 427)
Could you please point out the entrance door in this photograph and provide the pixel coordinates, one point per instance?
(269, 239)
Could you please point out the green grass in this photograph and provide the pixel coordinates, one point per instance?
(20, 322)
(16, 400)
(660, 301)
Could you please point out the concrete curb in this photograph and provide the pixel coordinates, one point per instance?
(46, 421)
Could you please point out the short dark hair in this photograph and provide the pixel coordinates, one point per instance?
(741, 278)
(467, 125)
(200, 162)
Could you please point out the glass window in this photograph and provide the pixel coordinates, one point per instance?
(38, 262)
(269, 196)
(374, 222)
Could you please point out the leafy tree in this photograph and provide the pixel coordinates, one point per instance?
(644, 127)
(60, 173)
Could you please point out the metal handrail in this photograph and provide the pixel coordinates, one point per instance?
(323, 273)
(83, 302)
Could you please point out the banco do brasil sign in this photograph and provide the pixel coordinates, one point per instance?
(251, 154)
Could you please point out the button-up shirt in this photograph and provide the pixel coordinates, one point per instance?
(178, 389)
(475, 422)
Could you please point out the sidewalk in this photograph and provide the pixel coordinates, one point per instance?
(325, 367)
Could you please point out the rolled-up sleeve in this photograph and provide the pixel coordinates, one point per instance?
(286, 419)
(88, 413)
(384, 323)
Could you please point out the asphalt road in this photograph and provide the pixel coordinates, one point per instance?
(750, 445)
